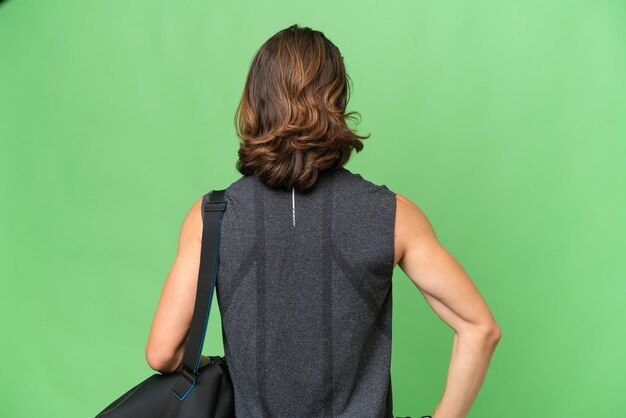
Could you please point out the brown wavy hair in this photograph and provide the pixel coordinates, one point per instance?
(291, 119)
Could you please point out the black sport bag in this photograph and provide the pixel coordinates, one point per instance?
(197, 391)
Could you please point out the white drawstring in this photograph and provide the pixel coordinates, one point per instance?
(293, 205)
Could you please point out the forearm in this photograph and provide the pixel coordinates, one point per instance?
(178, 358)
(471, 355)
(179, 361)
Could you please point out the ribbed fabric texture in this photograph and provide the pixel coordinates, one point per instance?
(306, 309)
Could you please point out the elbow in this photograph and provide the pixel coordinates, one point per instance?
(156, 362)
(495, 334)
(159, 361)
(489, 333)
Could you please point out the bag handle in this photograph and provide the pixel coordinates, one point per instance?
(213, 207)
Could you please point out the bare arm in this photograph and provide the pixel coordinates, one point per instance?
(455, 299)
(166, 344)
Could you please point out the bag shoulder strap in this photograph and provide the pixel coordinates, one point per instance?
(213, 207)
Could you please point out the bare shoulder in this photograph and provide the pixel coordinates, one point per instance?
(411, 224)
(191, 230)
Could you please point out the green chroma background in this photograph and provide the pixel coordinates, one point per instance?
(504, 122)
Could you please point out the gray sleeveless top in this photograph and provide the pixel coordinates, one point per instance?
(304, 292)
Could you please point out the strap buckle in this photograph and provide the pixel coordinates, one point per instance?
(218, 205)
(184, 384)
